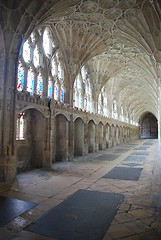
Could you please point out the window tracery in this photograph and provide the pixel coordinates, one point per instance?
(37, 60)
(82, 91)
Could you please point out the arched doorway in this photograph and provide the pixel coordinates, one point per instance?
(148, 126)
(30, 137)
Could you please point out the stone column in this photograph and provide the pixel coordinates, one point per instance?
(85, 139)
(47, 157)
(96, 137)
(71, 138)
(8, 69)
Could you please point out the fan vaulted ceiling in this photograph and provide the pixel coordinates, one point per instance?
(118, 40)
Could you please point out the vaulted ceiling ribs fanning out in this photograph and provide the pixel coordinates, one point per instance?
(118, 42)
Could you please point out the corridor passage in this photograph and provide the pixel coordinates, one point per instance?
(109, 195)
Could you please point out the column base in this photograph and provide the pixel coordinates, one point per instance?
(8, 172)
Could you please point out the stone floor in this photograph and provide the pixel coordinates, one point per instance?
(139, 215)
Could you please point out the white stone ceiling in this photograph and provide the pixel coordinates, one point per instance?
(118, 40)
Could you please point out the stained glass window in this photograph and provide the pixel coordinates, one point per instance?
(50, 88)
(47, 44)
(30, 81)
(39, 84)
(20, 127)
(20, 77)
(21, 136)
(53, 67)
(59, 71)
(36, 57)
(56, 92)
(62, 94)
(26, 52)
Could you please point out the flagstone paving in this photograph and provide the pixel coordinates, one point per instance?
(138, 216)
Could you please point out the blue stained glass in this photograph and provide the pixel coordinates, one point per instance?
(20, 77)
(50, 89)
(62, 95)
(30, 82)
(39, 85)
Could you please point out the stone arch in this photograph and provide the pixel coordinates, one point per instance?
(148, 126)
(78, 137)
(91, 136)
(61, 133)
(30, 151)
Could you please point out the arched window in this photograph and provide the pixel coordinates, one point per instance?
(20, 127)
(36, 57)
(20, 77)
(59, 70)
(26, 52)
(50, 88)
(56, 91)
(47, 42)
(39, 84)
(62, 93)
(78, 92)
(30, 81)
(53, 67)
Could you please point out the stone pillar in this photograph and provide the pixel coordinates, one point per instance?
(110, 137)
(71, 138)
(104, 137)
(8, 69)
(53, 139)
(96, 137)
(85, 139)
(47, 158)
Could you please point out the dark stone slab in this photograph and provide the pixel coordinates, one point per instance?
(122, 150)
(108, 157)
(135, 158)
(140, 153)
(86, 215)
(148, 143)
(124, 173)
(10, 208)
(141, 148)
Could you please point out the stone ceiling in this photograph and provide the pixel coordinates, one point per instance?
(118, 40)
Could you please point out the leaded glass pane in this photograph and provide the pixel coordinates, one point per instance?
(30, 81)
(36, 57)
(56, 93)
(47, 44)
(50, 89)
(20, 77)
(39, 85)
(62, 94)
(26, 52)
